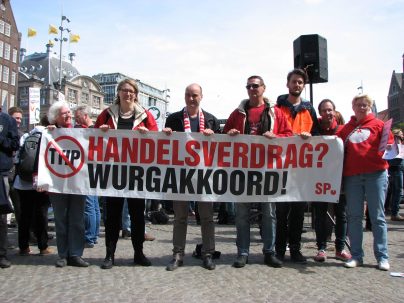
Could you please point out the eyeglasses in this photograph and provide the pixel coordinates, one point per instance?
(125, 90)
(65, 113)
(362, 105)
(254, 86)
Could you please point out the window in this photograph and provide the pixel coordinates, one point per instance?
(2, 26)
(1, 49)
(1, 71)
(96, 101)
(13, 76)
(15, 54)
(12, 100)
(7, 49)
(84, 98)
(72, 95)
(6, 72)
(7, 30)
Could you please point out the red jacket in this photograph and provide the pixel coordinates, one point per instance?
(143, 117)
(361, 148)
(279, 124)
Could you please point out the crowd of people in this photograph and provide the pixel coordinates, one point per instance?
(77, 217)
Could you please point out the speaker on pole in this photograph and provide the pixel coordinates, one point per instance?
(310, 54)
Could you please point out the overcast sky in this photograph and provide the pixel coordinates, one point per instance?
(218, 44)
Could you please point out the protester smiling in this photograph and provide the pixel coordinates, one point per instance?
(126, 113)
(68, 208)
(365, 177)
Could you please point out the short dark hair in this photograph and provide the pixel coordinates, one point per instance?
(13, 110)
(298, 72)
(324, 101)
(256, 77)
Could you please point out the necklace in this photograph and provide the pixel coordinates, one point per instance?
(126, 115)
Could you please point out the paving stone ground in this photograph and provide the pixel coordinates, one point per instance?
(35, 278)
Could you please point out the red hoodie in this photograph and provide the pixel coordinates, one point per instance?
(361, 148)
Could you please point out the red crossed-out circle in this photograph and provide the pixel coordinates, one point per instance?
(75, 170)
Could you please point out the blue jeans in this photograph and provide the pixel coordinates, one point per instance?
(396, 172)
(69, 223)
(92, 218)
(125, 216)
(243, 227)
(372, 188)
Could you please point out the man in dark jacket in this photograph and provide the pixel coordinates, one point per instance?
(8, 145)
(192, 119)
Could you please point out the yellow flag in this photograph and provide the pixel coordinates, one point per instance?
(74, 38)
(31, 32)
(53, 29)
(51, 43)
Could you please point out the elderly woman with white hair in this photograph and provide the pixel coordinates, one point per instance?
(68, 209)
(365, 178)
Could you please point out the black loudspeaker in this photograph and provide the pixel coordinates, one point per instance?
(310, 54)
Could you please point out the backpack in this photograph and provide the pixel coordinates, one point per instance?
(29, 154)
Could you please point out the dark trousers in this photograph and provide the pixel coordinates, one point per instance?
(289, 225)
(34, 207)
(321, 223)
(113, 221)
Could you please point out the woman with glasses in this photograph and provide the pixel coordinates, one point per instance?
(365, 178)
(125, 113)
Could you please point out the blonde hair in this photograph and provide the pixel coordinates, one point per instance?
(368, 100)
(131, 83)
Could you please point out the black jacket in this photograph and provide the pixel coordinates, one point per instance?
(9, 142)
(175, 121)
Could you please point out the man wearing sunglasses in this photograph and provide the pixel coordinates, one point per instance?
(302, 118)
(256, 115)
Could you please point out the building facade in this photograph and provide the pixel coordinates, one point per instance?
(153, 99)
(10, 40)
(395, 98)
(41, 70)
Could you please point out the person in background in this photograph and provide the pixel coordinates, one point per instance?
(328, 127)
(396, 171)
(68, 208)
(192, 119)
(8, 145)
(92, 214)
(33, 206)
(260, 117)
(365, 177)
(303, 121)
(126, 113)
(16, 113)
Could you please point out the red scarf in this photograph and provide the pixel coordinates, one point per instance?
(187, 123)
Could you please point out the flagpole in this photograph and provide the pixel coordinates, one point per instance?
(61, 40)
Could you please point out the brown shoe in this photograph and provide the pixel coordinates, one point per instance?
(149, 237)
(397, 218)
(46, 251)
(25, 252)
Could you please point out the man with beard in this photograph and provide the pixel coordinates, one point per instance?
(302, 119)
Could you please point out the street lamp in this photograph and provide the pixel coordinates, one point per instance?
(62, 39)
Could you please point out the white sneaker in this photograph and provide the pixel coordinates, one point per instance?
(383, 265)
(353, 263)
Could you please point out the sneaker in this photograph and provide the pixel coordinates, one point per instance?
(352, 263)
(77, 261)
(46, 251)
(4, 262)
(321, 256)
(297, 257)
(25, 252)
(342, 255)
(383, 265)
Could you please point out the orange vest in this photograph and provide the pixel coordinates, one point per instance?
(301, 123)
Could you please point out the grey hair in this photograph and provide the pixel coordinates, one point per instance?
(84, 109)
(54, 110)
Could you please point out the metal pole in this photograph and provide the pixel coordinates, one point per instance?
(60, 53)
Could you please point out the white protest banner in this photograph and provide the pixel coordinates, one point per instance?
(190, 166)
(34, 104)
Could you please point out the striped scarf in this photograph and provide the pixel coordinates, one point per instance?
(187, 123)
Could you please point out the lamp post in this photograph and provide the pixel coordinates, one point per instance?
(62, 39)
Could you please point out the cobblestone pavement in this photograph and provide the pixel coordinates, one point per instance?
(35, 278)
